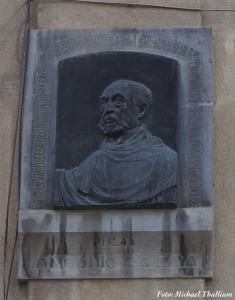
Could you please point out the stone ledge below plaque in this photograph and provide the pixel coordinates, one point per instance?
(115, 244)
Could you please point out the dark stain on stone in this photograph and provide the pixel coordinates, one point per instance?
(63, 223)
(62, 248)
(166, 243)
(190, 265)
(47, 248)
(46, 222)
(126, 251)
(182, 220)
(41, 263)
(123, 242)
(26, 254)
(35, 250)
(184, 254)
(166, 221)
(127, 225)
(182, 246)
(204, 251)
(51, 262)
(53, 245)
(96, 247)
(28, 225)
(97, 239)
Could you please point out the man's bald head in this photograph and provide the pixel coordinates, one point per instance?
(133, 90)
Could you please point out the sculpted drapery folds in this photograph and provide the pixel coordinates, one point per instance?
(132, 166)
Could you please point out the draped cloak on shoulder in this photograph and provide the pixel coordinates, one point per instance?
(136, 167)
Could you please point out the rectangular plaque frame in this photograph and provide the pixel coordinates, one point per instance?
(117, 243)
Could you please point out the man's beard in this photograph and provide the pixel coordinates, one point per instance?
(112, 125)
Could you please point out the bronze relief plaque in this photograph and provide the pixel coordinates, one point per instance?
(109, 105)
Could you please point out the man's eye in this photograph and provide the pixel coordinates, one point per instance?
(103, 103)
(119, 100)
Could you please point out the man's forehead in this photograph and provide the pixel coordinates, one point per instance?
(117, 88)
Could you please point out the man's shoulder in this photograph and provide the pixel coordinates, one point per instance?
(169, 151)
(93, 156)
(164, 154)
(161, 147)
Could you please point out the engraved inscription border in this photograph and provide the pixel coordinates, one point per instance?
(40, 151)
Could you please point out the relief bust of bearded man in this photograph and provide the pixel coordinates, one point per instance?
(131, 166)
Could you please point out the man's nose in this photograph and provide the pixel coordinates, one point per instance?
(109, 108)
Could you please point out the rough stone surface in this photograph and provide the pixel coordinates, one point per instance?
(10, 53)
(167, 3)
(223, 24)
(218, 5)
(84, 15)
(111, 289)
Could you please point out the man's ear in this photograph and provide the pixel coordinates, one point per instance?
(142, 110)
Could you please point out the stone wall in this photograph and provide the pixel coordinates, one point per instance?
(74, 14)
